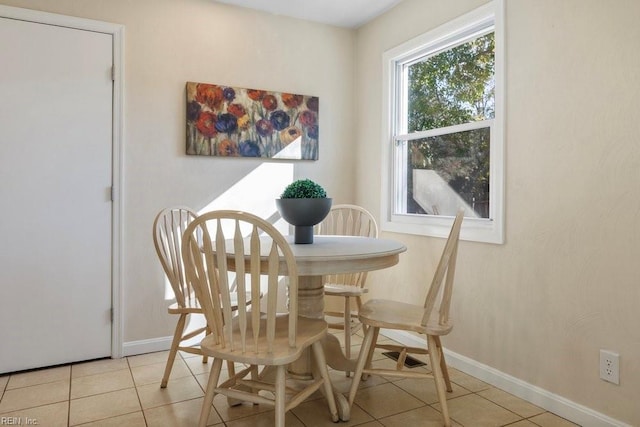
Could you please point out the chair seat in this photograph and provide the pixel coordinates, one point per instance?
(193, 306)
(401, 315)
(309, 331)
(343, 290)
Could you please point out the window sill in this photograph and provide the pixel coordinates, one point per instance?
(473, 229)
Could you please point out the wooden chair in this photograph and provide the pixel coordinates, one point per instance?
(347, 220)
(271, 339)
(431, 319)
(168, 227)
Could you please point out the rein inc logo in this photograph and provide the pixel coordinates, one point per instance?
(18, 421)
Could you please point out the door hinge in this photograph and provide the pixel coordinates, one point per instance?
(113, 73)
(111, 195)
(111, 314)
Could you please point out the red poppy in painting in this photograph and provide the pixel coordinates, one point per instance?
(307, 118)
(291, 100)
(237, 110)
(228, 148)
(210, 95)
(256, 94)
(270, 102)
(206, 124)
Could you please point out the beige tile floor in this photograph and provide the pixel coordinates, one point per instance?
(126, 392)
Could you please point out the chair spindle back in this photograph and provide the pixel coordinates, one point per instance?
(244, 246)
(168, 227)
(348, 220)
(446, 267)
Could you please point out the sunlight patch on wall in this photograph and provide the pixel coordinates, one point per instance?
(255, 193)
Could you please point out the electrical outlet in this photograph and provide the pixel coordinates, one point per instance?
(610, 366)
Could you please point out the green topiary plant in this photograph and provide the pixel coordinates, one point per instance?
(304, 189)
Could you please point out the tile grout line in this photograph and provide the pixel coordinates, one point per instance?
(501, 406)
(204, 391)
(192, 374)
(69, 401)
(4, 389)
(135, 387)
(199, 385)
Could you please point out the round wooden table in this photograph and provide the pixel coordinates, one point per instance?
(333, 255)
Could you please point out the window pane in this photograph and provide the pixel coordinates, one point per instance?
(447, 172)
(453, 87)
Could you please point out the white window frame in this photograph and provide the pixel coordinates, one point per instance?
(489, 230)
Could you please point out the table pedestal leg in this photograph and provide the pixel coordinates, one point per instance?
(311, 304)
(311, 297)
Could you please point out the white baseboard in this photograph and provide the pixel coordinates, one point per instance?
(133, 348)
(559, 405)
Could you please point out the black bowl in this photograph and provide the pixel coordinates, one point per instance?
(303, 214)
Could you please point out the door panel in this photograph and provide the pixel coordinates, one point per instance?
(55, 175)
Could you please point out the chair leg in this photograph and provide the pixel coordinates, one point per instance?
(214, 376)
(280, 395)
(318, 352)
(435, 357)
(177, 337)
(347, 329)
(255, 376)
(231, 367)
(359, 305)
(372, 349)
(443, 365)
(362, 360)
(207, 331)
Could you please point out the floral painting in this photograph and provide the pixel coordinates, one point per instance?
(236, 122)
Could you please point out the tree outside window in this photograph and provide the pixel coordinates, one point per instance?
(445, 90)
(443, 129)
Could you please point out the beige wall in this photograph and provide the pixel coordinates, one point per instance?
(566, 282)
(170, 42)
(539, 307)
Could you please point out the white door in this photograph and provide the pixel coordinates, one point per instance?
(55, 206)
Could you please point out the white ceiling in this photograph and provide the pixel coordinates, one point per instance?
(341, 13)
